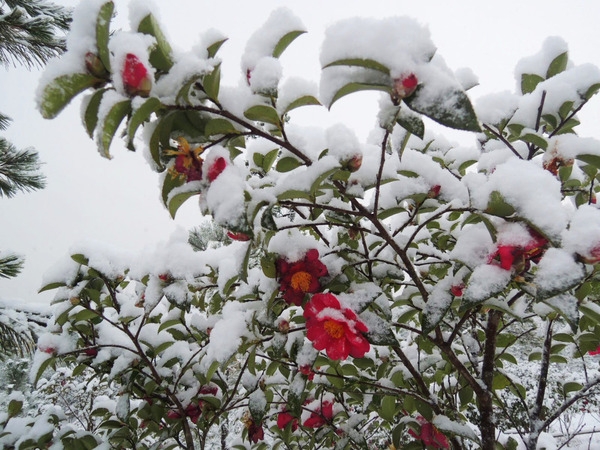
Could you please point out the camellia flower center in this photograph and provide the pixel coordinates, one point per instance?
(334, 329)
(300, 281)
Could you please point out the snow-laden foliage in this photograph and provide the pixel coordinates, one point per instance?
(370, 294)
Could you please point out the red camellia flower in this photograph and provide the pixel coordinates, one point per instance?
(334, 329)
(188, 162)
(283, 418)
(321, 416)
(404, 87)
(307, 371)
(298, 278)
(216, 168)
(593, 257)
(518, 256)
(238, 236)
(430, 435)
(457, 289)
(136, 78)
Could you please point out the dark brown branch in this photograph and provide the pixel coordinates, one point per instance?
(503, 139)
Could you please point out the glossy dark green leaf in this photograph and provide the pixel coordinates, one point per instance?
(285, 41)
(388, 408)
(536, 140)
(103, 32)
(161, 55)
(59, 92)
(263, 113)
(113, 119)
(170, 182)
(449, 107)
(360, 62)
(592, 160)
(558, 65)
(529, 82)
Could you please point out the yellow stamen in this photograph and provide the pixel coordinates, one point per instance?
(301, 281)
(334, 329)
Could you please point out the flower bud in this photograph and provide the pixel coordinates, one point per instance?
(404, 87)
(136, 78)
(216, 168)
(94, 65)
(237, 236)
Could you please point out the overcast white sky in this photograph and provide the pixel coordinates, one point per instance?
(117, 202)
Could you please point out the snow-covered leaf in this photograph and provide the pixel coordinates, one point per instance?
(140, 115)
(105, 15)
(212, 83)
(111, 123)
(360, 62)
(263, 113)
(558, 65)
(357, 87)
(529, 82)
(161, 55)
(305, 100)
(285, 41)
(213, 48)
(90, 115)
(59, 92)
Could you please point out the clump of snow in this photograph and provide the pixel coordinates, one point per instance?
(538, 64)
(266, 75)
(485, 281)
(293, 88)
(557, 270)
(342, 142)
(583, 234)
(264, 40)
(466, 78)
(120, 45)
(532, 191)
(493, 108)
(399, 43)
(139, 10)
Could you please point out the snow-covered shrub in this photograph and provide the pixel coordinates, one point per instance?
(373, 293)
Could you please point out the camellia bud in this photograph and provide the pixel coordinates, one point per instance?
(136, 78)
(216, 168)
(457, 290)
(94, 65)
(75, 301)
(91, 351)
(434, 192)
(237, 236)
(354, 163)
(404, 87)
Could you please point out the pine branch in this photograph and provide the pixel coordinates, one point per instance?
(4, 121)
(28, 32)
(10, 265)
(18, 170)
(14, 342)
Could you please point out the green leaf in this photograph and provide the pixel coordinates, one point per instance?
(42, 368)
(50, 286)
(219, 126)
(388, 408)
(497, 206)
(285, 41)
(352, 87)
(591, 311)
(59, 92)
(450, 107)
(305, 100)
(293, 193)
(558, 65)
(434, 312)
(103, 32)
(161, 55)
(529, 82)
(571, 386)
(360, 62)
(212, 83)
(179, 199)
(170, 182)
(213, 48)
(287, 164)
(536, 140)
(14, 408)
(183, 95)
(141, 115)
(381, 334)
(591, 91)
(113, 119)
(269, 159)
(592, 160)
(80, 259)
(90, 116)
(263, 113)
(412, 123)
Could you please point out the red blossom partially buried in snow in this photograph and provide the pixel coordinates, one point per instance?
(216, 168)
(320, 416)
(404, 86)
(298, 278)
(188, 163)
(509, 256)
(335, 329)
(136, 78)
(430, 435)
